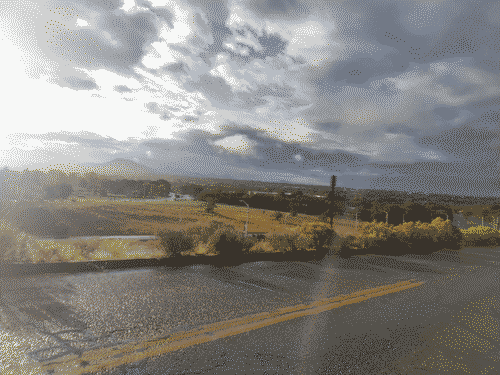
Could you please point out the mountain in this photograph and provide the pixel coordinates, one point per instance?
(123, 168)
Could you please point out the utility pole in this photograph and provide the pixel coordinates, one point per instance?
(246, 224)
(386, 217)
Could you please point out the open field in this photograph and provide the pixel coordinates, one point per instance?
(49, 228)
(140, 218)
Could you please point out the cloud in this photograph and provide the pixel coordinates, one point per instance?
(80, 84)
(291, 88)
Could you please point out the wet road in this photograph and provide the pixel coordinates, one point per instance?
(171, 321)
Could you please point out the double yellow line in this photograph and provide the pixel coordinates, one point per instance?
(105, 358)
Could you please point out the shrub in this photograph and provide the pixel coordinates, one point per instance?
(262, 247)
(448, 236)
(87, 247)
(202, 232)
(174, 242)
(420, 238)
(202, 248)
(17, 246)
(7, 243)
(318, 235)
(349, 246)
(283, 241)
(481, 236)
(229, 242)
(278, 216)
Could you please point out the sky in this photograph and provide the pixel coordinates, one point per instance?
(399, 95)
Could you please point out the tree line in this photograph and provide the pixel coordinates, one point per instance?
(54, 184)
(393, 207)
(395, 210)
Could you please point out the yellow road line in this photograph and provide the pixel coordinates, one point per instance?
(105, 358)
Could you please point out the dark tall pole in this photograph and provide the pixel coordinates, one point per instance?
(332, 197)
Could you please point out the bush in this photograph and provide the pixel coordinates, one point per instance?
(318, 235)
(283, 241)
(262, 247)
(278, 216)
(481, 236)
(418, 238)
(202, 232)
(202, 249)
(174, 242)
(17, 246)
(229, 242)
(7, 243)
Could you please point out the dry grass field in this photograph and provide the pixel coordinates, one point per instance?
(108, 217)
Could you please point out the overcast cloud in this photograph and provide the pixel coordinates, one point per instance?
(385, 94)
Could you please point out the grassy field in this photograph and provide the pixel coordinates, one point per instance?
(101, 217)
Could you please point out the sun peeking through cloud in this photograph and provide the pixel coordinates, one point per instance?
(237, 144)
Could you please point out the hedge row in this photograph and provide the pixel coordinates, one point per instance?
(223, 239)
(481, 236)
(410, 237)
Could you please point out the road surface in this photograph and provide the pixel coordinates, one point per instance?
(362, 315)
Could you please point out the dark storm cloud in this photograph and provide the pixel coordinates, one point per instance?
(175, 68)
(305, 86)
(279, 8)
(468, 142)
(270, 45)
(216, 13)
(127, 37)
(162, 13)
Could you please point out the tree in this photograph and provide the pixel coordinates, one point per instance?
(60, 191)
(415, 212)
(323, 217)
(192, 189)
(491, 214)
(211, 204)
(396, 214)
(377, 211)
(162, 187)
(319, 234)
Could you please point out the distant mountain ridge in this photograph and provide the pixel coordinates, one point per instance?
(124, 168)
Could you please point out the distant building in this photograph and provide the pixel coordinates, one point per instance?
(261, 192)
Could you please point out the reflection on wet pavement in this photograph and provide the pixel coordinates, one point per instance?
(419, 330)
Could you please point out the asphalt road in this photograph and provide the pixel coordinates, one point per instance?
(362, 315)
